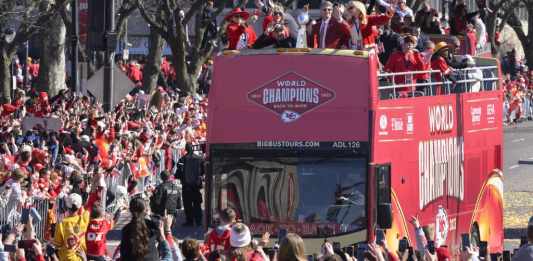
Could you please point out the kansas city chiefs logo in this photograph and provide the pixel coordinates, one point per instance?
(291, 95)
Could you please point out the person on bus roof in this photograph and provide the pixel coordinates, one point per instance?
(327, 32)
(426, 54)
(240, 35)
(439, 62)
(276, 17)
(405, 60)
(363, 27)
(454, 44)
(276, 36)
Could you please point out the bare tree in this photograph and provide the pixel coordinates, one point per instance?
(52, 60)
(124, 10)
(19, 21)
(506, 11)
(190, 48)
(525, 38)
(152, 70)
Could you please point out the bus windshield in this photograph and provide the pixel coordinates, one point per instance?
(312, 196)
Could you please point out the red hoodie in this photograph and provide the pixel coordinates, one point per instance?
(219, 239)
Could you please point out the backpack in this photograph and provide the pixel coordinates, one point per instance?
(166, 197)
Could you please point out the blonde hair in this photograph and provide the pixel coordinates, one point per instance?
(277, 8)
(362, 10)
(292, 248)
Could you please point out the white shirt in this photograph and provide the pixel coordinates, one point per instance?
(481, 33)
(475, 75)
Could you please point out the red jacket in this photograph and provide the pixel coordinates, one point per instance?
(472, 42)
(135, 73)
(234, 32)
(266, 21)
(369, 31)
(337, 35)
(401, 62)
(439, 63)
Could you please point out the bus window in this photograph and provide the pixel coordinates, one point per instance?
(310, 195)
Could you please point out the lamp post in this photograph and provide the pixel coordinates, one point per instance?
(25, 72)
(110, 39)
(74, 59)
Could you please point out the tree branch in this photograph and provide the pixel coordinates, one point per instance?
(124, 11)
(159, 28)
(197, 5)
(26, 30)
(516, 24)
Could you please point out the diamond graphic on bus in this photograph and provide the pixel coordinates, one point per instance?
(291, 95)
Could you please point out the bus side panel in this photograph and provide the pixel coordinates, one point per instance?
(443, 150)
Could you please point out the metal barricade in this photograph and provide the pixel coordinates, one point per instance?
(11, 214)
(39, 226)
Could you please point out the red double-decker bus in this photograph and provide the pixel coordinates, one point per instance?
(319, 142)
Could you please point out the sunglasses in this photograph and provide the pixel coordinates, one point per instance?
(327, 9)
(278, 13)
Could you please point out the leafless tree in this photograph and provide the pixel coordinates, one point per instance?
(190, 48)
(19, 21)
(506, 11)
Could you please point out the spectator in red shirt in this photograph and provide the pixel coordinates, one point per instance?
(42, 107)
(134, 72)
(405, 60)
(96, 234)
(219, 238)
(363, 27)
(33, 68)
(472, 40)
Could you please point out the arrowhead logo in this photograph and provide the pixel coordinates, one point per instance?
(291, 96)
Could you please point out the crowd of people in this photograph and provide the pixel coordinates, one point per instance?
(69, 166)
(518, 90)
(399, 35)
(153, 144)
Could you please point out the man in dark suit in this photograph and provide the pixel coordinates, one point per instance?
(190, 172)
(328, 32)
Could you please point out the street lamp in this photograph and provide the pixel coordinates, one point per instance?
(74, 59)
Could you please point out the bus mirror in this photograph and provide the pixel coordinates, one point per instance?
(383, 189)
(383, 180)
(384, 215)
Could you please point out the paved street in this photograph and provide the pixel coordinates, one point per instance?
(518, 171)
(518, 146)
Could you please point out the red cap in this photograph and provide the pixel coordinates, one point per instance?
(133, 125)
(39, 167)
(68, 150)
(43, 96)
(443, 253)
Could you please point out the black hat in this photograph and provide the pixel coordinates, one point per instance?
(302, 3)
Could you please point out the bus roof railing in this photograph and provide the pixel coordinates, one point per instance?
(463, 83)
